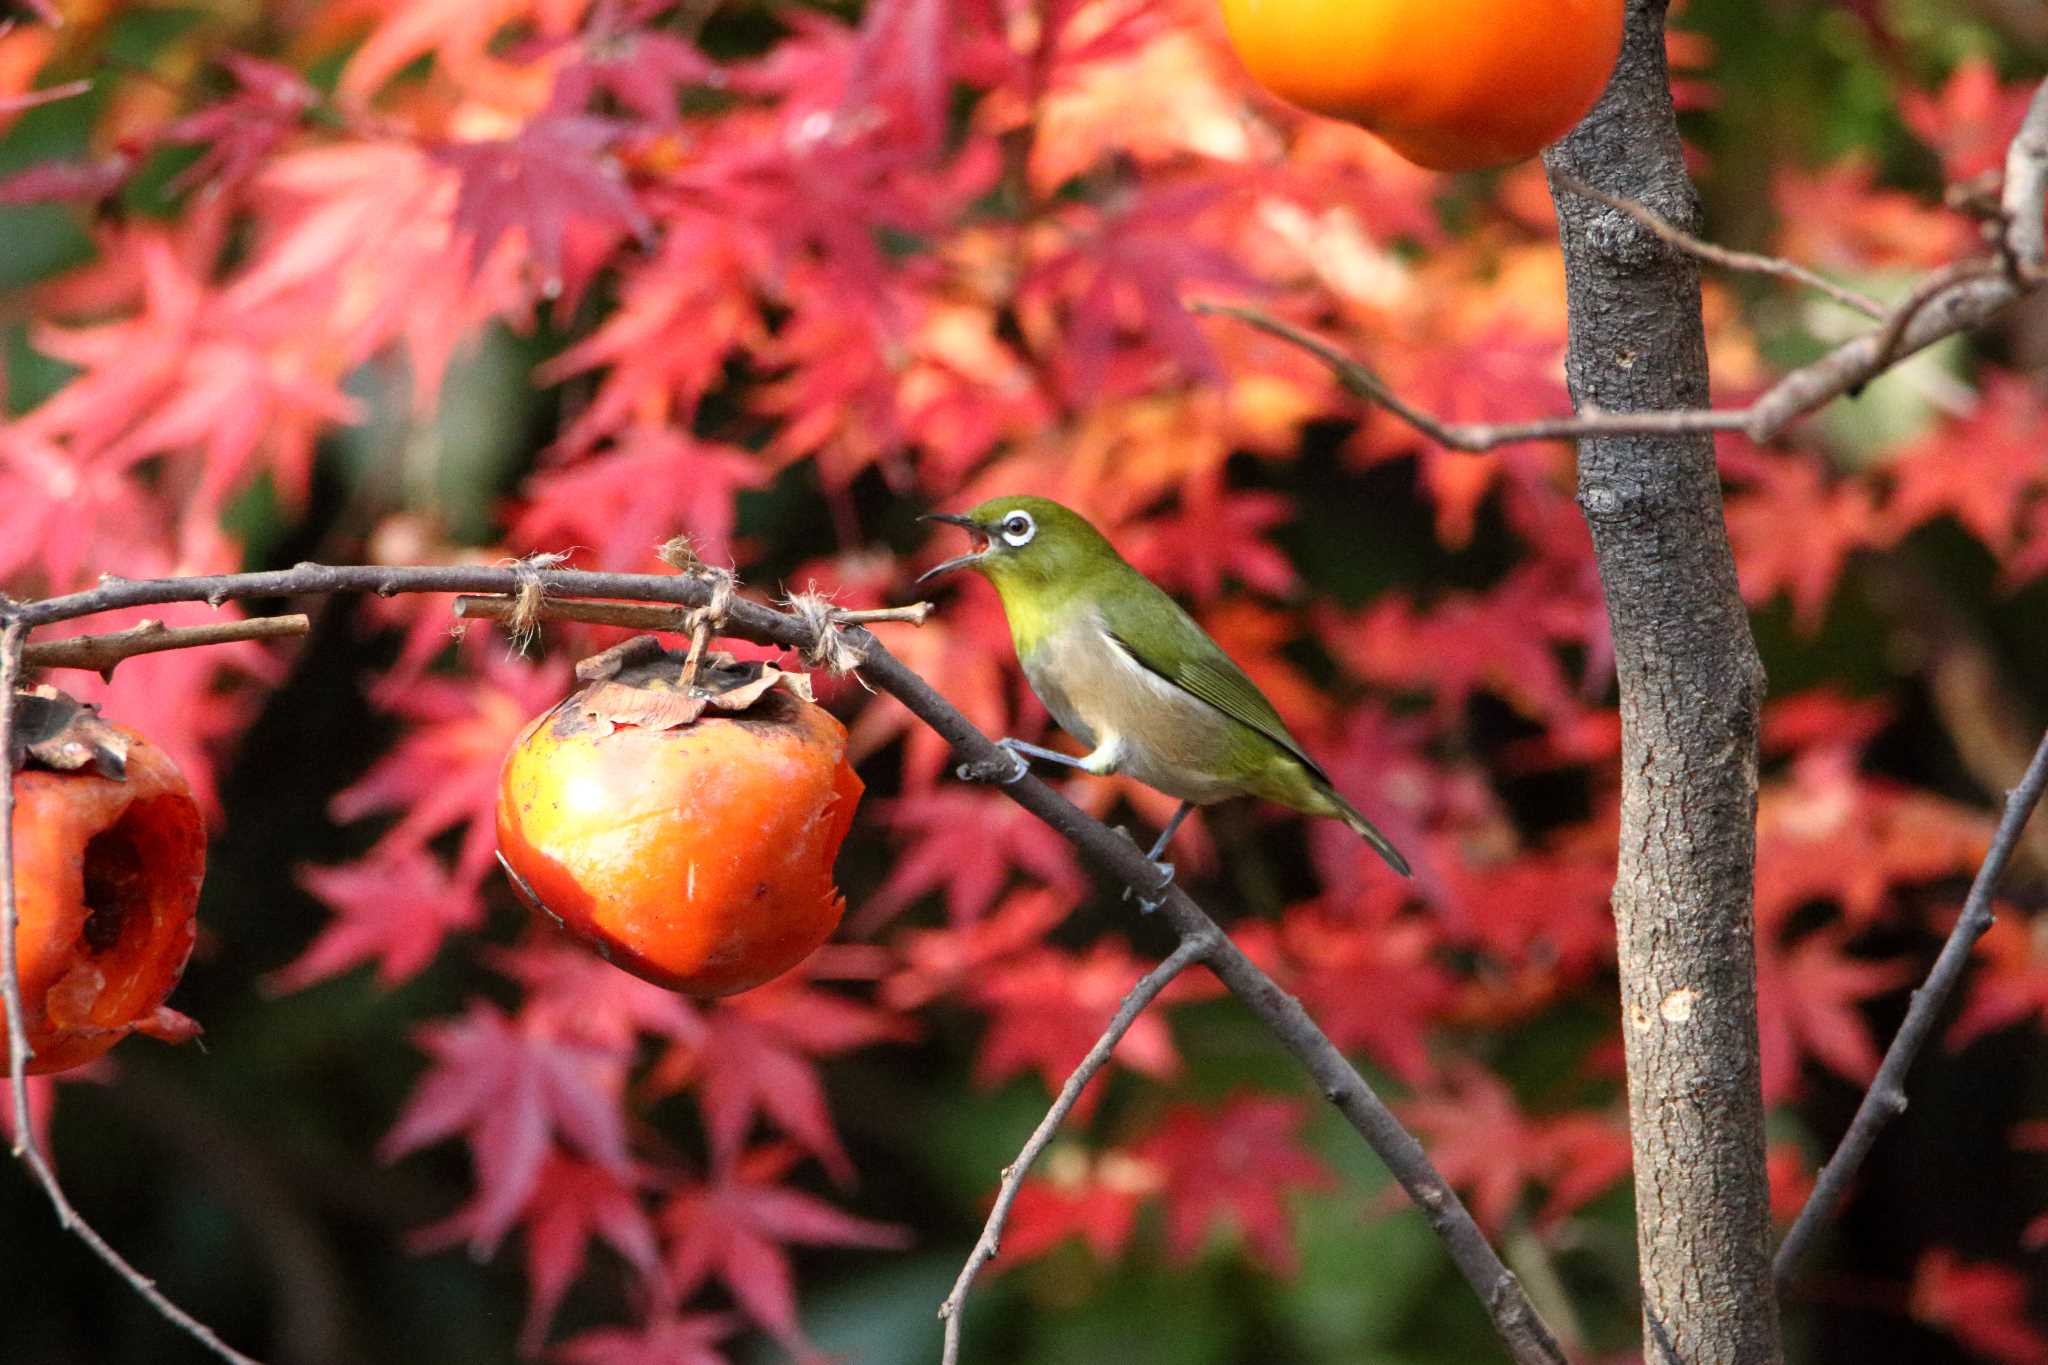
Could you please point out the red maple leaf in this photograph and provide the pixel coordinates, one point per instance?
(581, 996)
(1981, 1305)
(1794, 529)
(734, 1227)
(1075, 1195)
(1547, 912)
(937, 962)
(681, 314)
(640, 69)
(1809, 995)
(513, 1090)
(752, 1057)
(239, 132)
(691, 1339)
(1047, 1008)
(393, 907)
(1982, 469)
(1231, 1166)
(555, 171)
(1971, 121)
(1371, 981)
(2010, 984)
(443, 774)
(967, 843)
(1837, 220)
(1122, 277)
(1503, 641)
(1214, 533)
(1833, 833)
(623, 502)
(573, 1204)
(1494, 1153)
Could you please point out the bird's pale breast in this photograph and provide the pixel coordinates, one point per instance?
(1167, 738)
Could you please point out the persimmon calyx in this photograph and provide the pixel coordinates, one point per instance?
(57, 731)
(649, 693)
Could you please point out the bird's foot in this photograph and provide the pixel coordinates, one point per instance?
(995, 770)
(1157, 896)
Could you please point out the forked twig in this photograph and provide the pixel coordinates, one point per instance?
(1135, 1002)
(100, 653)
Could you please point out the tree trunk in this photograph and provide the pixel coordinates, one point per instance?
(1691, 688)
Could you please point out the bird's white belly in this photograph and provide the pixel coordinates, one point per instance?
(1136, 721)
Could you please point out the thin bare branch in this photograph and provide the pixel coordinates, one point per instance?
(1528, 1340)
(1931, 287)
(1476, 437)
(1957, 298)
(1134, 1004)
(1749, 262)
(1886, 1098)
(19, 1053)
(100, 653)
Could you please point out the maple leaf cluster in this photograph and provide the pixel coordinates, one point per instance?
(916, 256)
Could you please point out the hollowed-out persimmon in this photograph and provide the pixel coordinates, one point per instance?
(107, 872)
(693, 850)
(1453, 85)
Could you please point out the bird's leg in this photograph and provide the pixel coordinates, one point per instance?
(1158, 896)
(1017, 749)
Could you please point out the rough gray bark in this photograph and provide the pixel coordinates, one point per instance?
(1691, 688)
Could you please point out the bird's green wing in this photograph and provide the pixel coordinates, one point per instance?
(1198, 666)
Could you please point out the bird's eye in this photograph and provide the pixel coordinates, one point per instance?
(1018, 528)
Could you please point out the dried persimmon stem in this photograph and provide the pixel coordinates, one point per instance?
(18, 1051)
(100, 653)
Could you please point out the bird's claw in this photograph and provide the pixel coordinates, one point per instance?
(991, 770)
(1148, 903)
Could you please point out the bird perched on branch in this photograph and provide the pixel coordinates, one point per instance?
(1124, 670)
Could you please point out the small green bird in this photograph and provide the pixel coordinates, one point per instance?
(1123, 669)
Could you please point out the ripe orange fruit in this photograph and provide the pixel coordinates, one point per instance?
(695, 853)
(106, 876)
(1453, 85)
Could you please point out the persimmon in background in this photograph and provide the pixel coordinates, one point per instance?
(1453, 85)
(108, 862)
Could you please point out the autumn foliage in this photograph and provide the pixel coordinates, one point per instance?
(422, 280)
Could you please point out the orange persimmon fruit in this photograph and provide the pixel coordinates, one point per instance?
(109, 854)
(685, 832)
(1453, 85)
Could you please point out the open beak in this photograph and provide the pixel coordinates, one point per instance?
(973, 528)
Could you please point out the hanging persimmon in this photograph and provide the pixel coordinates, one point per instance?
(685, 830)
(109, 853)
(1453, 85)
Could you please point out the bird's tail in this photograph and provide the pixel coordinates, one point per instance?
(1365, 829)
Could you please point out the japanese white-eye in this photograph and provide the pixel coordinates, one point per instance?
(1124, 670)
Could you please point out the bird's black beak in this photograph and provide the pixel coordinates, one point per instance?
(973, 528)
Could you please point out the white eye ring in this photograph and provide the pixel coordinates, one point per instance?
(1018, 528)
